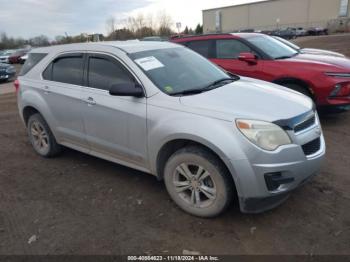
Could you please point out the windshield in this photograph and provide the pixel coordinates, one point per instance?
(288, 43)
(179, 69)
(272, 47)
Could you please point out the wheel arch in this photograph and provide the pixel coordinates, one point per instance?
(292, 80)
(173, 145)
(27, 112)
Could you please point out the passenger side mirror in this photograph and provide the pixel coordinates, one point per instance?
(248, 57)
(126, 89)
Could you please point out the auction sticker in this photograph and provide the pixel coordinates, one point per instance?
(149, 63)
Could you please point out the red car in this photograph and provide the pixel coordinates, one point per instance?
(326, 79)
(15, 57)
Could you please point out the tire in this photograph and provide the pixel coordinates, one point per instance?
(298, 88)
(208, 189)
(41, 137)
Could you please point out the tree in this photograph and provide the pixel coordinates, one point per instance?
(10, 42)
(111, 27)
(41, 40)
(124, 34)
(144, 31)
(199, 29)
(165, 23)
(186, 31)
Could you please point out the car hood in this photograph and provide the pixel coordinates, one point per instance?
(341, 62)
(321, 52)
(250, 98)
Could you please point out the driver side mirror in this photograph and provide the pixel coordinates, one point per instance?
(250, 58)
(126, 89)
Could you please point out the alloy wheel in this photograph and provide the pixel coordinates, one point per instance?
(194, 185)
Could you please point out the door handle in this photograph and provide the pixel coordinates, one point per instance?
(91, 101)
(46, 89)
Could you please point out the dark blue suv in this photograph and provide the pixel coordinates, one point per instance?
(7, 72)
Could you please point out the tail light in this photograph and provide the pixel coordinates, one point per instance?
(16, 84)
(341, 90)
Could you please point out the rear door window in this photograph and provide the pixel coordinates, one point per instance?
(32, 60)
(66, 69)
(230, 48)
(103, 72)
(201, 47)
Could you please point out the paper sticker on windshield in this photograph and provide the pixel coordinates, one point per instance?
(149, 63)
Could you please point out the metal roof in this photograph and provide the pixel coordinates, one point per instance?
(237, 5)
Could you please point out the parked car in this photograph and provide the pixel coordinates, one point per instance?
(249, 30)
(16, 56)
(317, 31)
(4, 56)
(298, 31)
(326, 79)
(23, 59)
(308, 50)
(7, 72)
(177, 36)
(285, 33)
(165, 110)
(154, 38)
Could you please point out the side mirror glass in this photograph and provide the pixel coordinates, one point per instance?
(126, 89)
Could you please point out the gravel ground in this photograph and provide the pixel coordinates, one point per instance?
(78, 204)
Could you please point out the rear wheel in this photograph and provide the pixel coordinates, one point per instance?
(198, 182)
(41, 137)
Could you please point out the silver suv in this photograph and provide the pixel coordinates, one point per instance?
(165, 110)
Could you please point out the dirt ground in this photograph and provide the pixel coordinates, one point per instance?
(338, 43)
(78, 204)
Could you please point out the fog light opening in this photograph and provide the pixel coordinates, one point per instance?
(275, 180)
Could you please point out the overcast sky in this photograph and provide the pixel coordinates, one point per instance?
(28, 18)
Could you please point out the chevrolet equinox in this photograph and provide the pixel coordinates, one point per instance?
(165, 110)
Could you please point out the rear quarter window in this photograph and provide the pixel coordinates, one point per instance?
(33, 60)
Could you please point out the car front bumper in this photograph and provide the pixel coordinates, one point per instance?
(299, 172)
(337, 102)
(6, 76)
(290, 165)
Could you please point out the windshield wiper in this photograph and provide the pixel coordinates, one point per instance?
(188, 92)
(216, 83)
(286, 56)
(282, 57)
(212, 86)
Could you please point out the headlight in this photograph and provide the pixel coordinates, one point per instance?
(265, 135)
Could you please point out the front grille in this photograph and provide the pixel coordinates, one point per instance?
(304, 125)
(312, 147)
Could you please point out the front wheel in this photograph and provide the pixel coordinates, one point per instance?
(198, 182)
